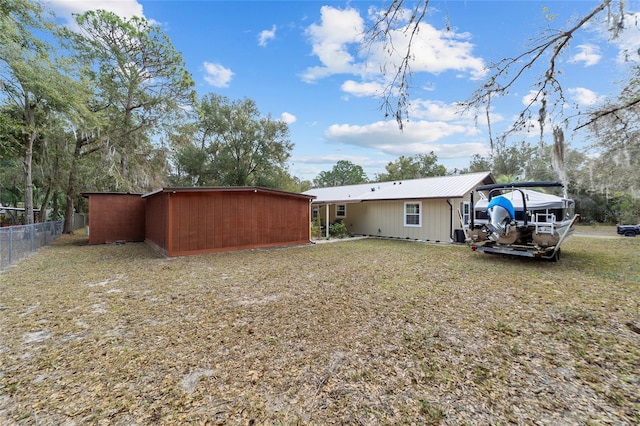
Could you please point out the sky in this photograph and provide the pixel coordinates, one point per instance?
(305, 62)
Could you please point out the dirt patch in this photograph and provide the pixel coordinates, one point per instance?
(364, 332)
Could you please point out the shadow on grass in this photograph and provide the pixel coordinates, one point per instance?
(76, 239)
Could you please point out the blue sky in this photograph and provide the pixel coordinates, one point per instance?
(304, 62)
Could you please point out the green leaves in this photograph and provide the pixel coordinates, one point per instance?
(233, 145)
(343, 173)
(420, 166)
(143, 84)
(35, 83)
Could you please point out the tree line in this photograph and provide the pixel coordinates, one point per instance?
(599, 199)
(111, 106)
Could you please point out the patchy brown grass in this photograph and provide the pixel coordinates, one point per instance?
(362, 332)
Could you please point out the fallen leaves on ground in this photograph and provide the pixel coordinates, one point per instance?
(361, 332)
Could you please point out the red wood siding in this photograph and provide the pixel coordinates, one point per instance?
(156, 221)
(116, 217)
(208, 221)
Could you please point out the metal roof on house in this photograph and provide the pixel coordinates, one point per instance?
(455, 186)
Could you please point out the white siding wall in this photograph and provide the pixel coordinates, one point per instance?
(386, 219)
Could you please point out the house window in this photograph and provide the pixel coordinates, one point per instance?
(466, 213)
(412, 214)
(314, 213)
(341, 210)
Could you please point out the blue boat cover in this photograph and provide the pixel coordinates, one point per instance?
(504, 203)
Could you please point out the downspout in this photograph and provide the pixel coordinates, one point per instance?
(450, 221)
(472, 208)
(326, 221)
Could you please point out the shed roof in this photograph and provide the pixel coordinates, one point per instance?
(455, 186)
(228, 189)
(87, 194)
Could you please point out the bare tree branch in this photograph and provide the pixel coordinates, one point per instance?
(555, 43)
(612, 111)
(505, 73)
(381, 32)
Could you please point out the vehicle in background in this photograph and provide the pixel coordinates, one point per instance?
(628, 230)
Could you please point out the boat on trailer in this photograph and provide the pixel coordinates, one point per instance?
(513, 219)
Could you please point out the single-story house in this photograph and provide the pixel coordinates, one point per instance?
(183, 221)
(428, 209)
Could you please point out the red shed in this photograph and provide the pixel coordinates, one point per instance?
(183, 221)
(115, 216)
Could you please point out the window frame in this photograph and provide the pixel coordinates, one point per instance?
(344, 211)
(466, 216)
(406, 214)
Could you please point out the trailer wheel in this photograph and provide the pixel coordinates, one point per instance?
(555, 257)
(630, 234)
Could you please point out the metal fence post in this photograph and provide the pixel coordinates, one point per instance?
(31, 236)
(10, 243)
(20, 234)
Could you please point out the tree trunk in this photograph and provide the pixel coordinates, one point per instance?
(69, 208)
(71, 189)
(28, 181)
(123, 168)
(55, 207)
(43, 207)
(29, 133)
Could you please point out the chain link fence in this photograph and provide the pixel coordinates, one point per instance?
(17, 242)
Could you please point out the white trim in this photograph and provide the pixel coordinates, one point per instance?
(339, 216)
(419, 214)
(466, 216)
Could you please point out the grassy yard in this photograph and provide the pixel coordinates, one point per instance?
(365, 332)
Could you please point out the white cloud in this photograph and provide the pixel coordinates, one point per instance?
(584, 97)
(589, 54)
(628, 41)
(418, 137)
(332, 159)
(122, 8)
(434, 110)
(288, 118)
(217, 75)
(266, 35)
(362, 89)
(421, 109)
(528, 99)
(581, 96)
(434, 51)
(338, 43)
(331, 39)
